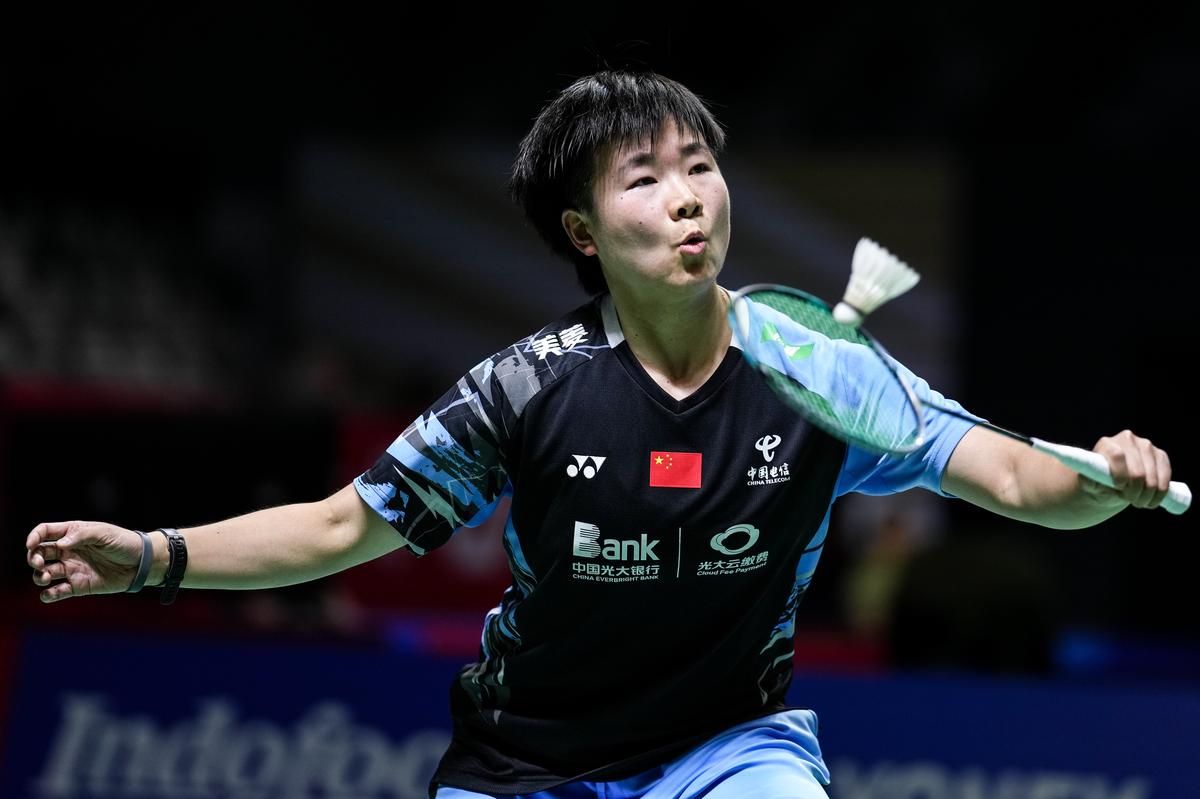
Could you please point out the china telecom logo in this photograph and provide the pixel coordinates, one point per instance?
(766, 445)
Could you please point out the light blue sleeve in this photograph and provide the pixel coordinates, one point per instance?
(850, 379)
(871, 473)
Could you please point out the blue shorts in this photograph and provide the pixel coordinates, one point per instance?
(774, 757)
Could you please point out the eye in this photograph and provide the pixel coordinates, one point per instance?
(646, 181)
(703, 167)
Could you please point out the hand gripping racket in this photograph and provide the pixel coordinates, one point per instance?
(841, 379)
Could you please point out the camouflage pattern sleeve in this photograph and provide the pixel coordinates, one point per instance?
(451, 466)
(447, 469)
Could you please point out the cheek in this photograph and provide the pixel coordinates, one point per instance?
(631, 223)
(719, 193)
(722, 206)
(716, 207)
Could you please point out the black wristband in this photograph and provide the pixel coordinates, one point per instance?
(176, 564)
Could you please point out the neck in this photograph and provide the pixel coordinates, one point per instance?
(680, 340)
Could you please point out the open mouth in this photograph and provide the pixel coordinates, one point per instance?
(694, 244)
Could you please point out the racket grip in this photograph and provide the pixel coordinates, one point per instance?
(1094, 466)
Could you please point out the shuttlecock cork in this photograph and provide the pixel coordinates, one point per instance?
(876, 276)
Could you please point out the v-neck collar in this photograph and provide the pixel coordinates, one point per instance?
(621, 348)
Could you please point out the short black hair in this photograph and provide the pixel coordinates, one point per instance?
(558, 158)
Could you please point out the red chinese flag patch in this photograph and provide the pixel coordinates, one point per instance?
(675, 469)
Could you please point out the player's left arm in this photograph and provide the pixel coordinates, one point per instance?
(1015, 480)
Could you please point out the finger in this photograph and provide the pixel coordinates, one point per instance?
(1144, 473)
(1163, 471)
(46, 532)
(1151, 494)
(40, 556)
(57, 592)
(55, 571)
(1118, 467)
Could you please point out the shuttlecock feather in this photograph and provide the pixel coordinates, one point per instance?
(876, 276)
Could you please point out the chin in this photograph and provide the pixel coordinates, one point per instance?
(704, 270)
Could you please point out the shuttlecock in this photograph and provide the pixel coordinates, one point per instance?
(876, 276)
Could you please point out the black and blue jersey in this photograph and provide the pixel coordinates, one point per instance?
(658, 547)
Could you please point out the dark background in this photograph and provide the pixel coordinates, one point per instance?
(181, 144)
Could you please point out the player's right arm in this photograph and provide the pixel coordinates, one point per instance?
(273, 547)
(443, 472)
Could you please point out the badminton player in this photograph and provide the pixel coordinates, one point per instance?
(667, 513)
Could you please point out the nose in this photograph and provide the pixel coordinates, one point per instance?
(685, 204)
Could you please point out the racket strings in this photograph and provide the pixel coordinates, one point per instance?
(833, 374)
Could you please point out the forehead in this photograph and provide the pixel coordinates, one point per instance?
(670, 140)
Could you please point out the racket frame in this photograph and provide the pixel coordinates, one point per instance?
(1091, 465)
(737, 321)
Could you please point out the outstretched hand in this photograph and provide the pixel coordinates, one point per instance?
(82, 558)
(1141, 472)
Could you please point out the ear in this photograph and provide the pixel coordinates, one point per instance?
(577, 230)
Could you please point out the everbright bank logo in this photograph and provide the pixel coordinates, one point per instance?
(587, 545)
(628, 560)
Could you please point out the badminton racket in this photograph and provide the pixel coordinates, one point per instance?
(841, 378)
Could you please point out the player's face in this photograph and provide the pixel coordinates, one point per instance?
(661, 214)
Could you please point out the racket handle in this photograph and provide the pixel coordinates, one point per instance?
(1094, 466)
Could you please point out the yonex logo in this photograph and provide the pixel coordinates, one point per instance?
(766, 445)
(581, 465)
(718, 540)
(587, 545)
